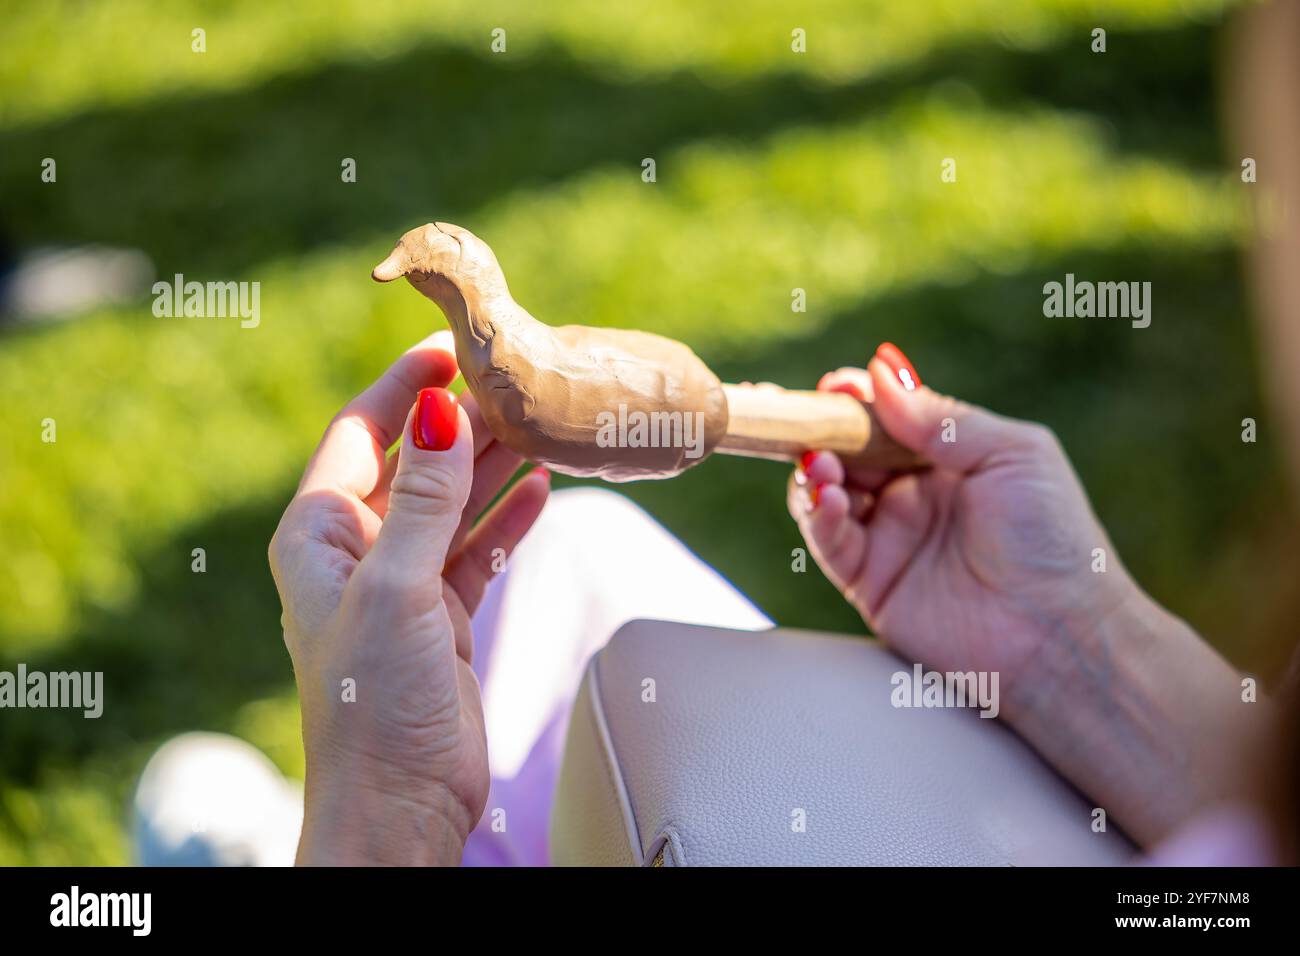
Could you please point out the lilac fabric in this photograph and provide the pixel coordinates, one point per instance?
(525, 798)
(1226, 836)
(592, 562)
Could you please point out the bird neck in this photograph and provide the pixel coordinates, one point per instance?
(477, 312)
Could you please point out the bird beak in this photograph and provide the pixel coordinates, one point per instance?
(394, 267)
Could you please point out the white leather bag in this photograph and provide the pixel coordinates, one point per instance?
(698, 746)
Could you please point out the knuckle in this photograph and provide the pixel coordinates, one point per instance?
(945, 409)
(425, 491)
(385, 586)
(1041, 437)
(280, 548)
(955, 408)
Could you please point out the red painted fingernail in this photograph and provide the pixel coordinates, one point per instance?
(806, 460)
(893, 356)
(543, 471)
(436, 420)
(816, 494)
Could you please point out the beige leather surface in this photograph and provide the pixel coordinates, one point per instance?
(593, 828)
(783, 748)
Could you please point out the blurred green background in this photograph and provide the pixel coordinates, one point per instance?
(776, 170)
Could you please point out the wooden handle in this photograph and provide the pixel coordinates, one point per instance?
(766, 421)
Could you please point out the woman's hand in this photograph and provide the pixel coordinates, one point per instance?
(379, 568)
(973, 563)
(993, 560)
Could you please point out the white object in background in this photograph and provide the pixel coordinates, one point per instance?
(59, 283)
(213, 800)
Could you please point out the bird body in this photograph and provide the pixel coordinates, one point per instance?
(563, 396)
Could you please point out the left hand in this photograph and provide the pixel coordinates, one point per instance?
(986, 562)
(380, 568)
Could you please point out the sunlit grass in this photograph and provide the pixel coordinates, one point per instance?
(189, 416)
(64, 822)
(58, 56)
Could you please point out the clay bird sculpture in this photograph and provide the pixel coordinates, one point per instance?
(611, 403)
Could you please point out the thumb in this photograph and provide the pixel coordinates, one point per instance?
(430, 486)
(949, 433)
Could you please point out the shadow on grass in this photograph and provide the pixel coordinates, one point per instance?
(223, 181)
(186, 655)
(1150, 417)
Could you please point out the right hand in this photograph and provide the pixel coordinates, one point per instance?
(381, 562)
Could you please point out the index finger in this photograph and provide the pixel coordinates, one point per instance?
(856, 382)
(351, 454)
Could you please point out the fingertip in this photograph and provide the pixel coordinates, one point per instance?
(900, 412)
(899, 364)
(850, 381)
(891, 392)
(530, 492)
(831, 496)
(431, 483)
(438, 422)
(445, 368)
(437, 419)
(822, 466)
(521, 505)
(830, 505)
(888, 388)
(436, 357)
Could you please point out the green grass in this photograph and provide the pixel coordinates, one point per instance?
(775, 171)
(92, 54)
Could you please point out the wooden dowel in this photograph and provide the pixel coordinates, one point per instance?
(766, 421)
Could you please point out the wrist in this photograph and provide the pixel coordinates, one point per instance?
(355, 814)
(1082, 655)
(1137, 711)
